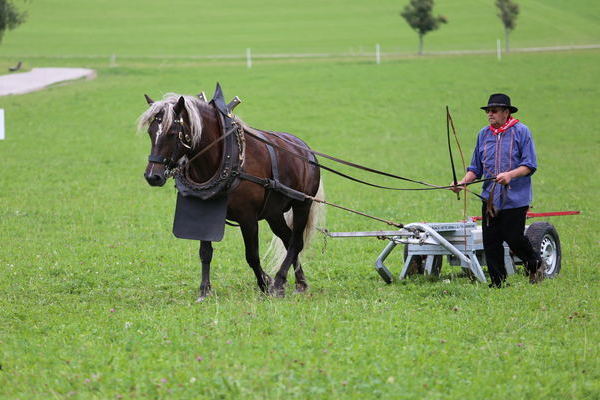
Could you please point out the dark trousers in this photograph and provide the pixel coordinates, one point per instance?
(507, 226)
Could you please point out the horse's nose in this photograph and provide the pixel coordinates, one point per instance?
(155, 179)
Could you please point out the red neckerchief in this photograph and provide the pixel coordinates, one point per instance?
(509, 122)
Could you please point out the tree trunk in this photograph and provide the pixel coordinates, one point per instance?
(420, 44)
(506, 33)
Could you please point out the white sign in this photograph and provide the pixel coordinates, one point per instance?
(1, 124)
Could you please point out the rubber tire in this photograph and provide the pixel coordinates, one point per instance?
(546, 242)
(417, 264)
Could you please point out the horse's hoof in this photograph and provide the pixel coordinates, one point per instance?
(301, 288)
(277, 291)
(268, 280)
(203, 297)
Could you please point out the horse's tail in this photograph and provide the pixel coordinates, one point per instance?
(316, 217)
(276, 251)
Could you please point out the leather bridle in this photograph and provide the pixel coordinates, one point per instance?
(182, 146)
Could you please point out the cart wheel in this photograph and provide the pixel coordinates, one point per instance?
(545, 240)
(417, 264)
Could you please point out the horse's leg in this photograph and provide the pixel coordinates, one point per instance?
(295, 247)
(301, 284)
(206, 252)
(283, 232)
(250, 235)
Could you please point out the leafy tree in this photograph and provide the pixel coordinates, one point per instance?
(10, 17)
(418, 14)
(508, 12)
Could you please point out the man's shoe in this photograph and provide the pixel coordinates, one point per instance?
(497, 285)
(538, 275)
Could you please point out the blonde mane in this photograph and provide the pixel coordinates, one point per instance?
(167, 104)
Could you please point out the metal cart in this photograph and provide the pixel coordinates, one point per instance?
(461, 242)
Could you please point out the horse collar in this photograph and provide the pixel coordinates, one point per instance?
(226, 177)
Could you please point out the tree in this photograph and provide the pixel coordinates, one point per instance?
(418, 14)
(10, 17)
(508, 12)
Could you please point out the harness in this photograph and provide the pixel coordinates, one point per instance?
(230, 171)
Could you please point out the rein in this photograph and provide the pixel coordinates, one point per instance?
(251, 132)
(256, 134)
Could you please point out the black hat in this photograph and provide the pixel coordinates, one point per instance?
(500, 100)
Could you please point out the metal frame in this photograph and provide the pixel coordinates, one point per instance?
(461, 242)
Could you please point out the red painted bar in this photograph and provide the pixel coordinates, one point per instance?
(544, 214)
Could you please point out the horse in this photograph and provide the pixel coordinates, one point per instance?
(187, 131)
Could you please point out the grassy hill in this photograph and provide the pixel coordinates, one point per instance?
(199, 28)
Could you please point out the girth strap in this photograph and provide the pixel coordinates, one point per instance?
(277, 186)
(272, 156)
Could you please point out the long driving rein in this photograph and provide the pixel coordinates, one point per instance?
(252, 132)
(256, 134)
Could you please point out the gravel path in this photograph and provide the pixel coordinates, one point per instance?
(40, 78)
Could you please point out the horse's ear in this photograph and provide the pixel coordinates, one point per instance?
(180, 106)
(149, 100)
(202, 96)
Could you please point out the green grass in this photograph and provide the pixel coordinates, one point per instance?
(97, 297)
(195, 28)
(83, 235)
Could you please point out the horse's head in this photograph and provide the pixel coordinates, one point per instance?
(171, 133)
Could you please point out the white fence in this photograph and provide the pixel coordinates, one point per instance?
(249, 57)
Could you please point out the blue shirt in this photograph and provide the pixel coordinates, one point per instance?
(506, 151)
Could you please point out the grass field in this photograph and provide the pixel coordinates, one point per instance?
(97, 297)
(194, 28)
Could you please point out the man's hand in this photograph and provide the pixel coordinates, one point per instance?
(504, 178)
(458, 187)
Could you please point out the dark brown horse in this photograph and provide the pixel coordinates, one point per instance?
(180, 127)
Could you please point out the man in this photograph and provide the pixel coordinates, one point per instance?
(505, 151)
